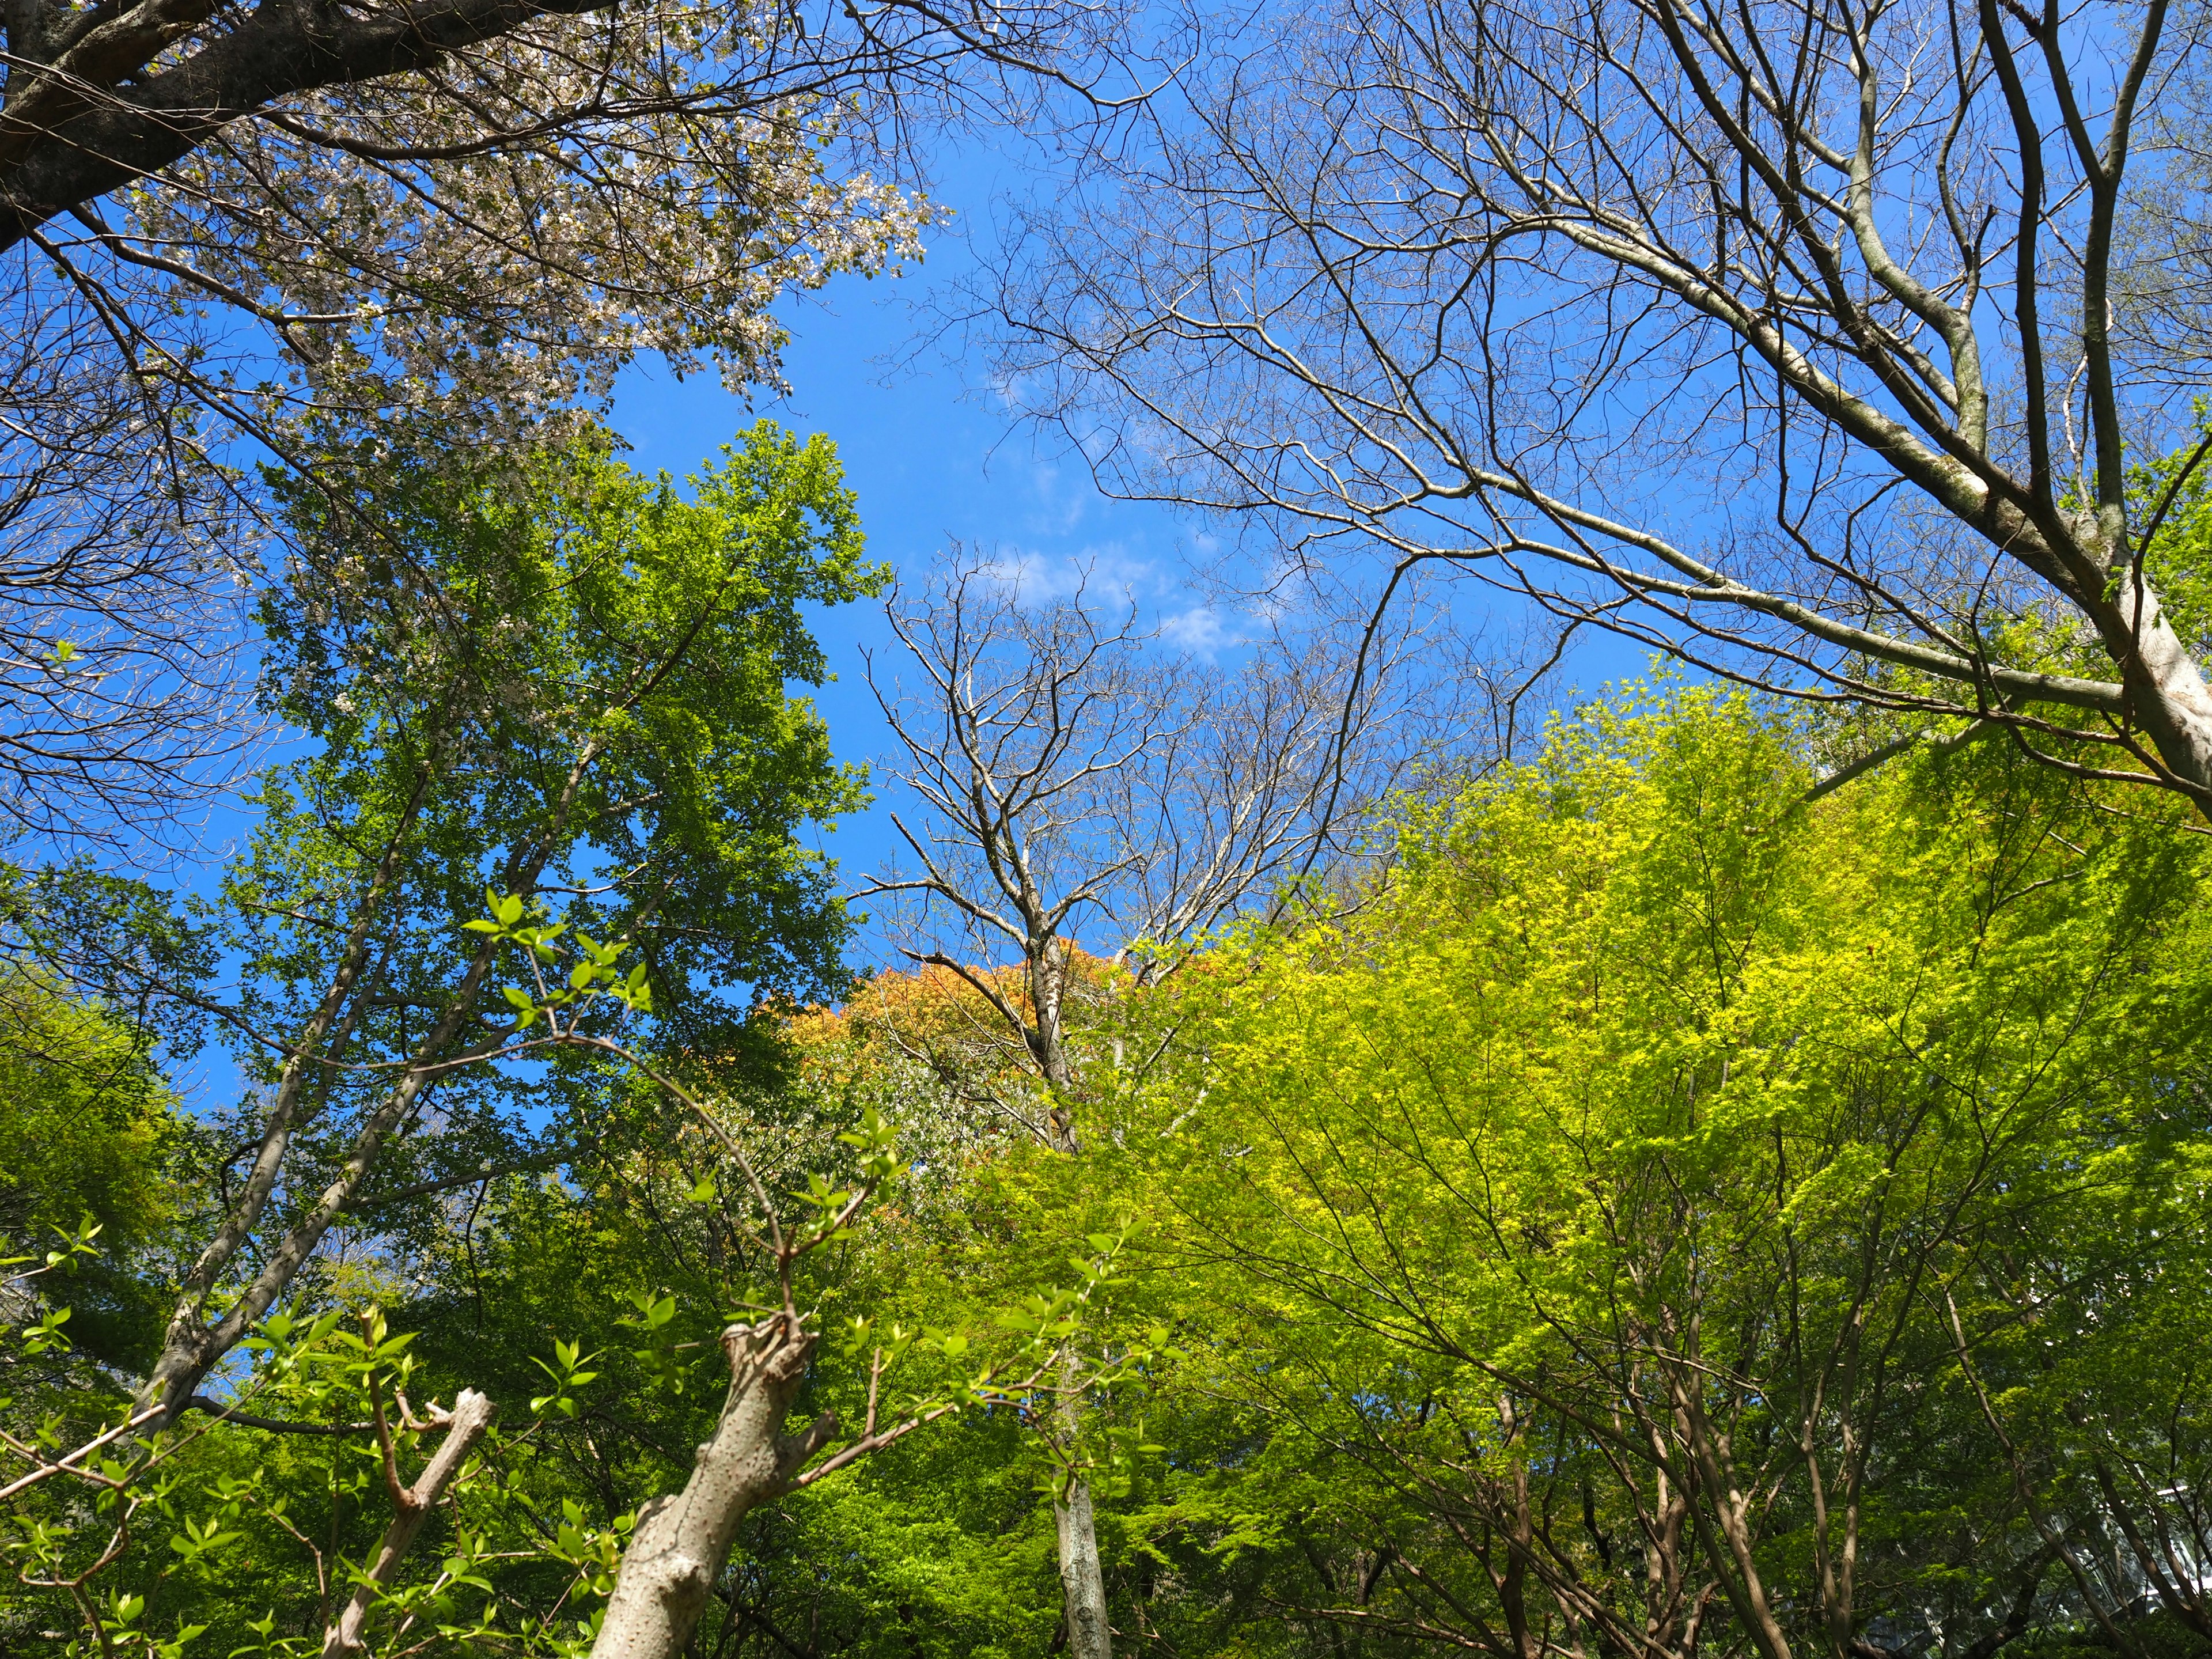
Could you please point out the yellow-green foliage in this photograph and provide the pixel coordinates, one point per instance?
(85, 1121)
(1648, 1097)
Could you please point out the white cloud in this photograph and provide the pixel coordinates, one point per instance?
(1061, 498)
(1106, 572)
(1201, 630)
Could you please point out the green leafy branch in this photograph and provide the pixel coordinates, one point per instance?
(594, 974)
(1022, 1379)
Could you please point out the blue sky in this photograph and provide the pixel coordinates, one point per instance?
(930, 453)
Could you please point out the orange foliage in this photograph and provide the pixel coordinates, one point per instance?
(930, 1000)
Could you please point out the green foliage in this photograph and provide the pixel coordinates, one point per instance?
(1642, 1082)
(564, 646)
(547, 676)
(86, 1123)
(1640, 1133)
(1636, 1145)
(89, 1136)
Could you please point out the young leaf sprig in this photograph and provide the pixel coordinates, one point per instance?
(595, 972)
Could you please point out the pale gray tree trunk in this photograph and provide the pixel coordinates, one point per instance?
(1081, 1580)
(683, 1538)
(470, 1416)
(2172, 698)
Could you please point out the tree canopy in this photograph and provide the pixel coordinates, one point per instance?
(1331, 1174)
(1666, 1205)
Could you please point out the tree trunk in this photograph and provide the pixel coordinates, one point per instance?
(471, 1415)
(2172, 702)
(1080, 1577)
(682, 1539)
(1082, 1580)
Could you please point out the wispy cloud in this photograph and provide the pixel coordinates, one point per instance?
(1106, 571)
(1060, 499)
(1202, 630)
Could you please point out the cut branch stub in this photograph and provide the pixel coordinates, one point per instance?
(682, 1539)
(465, 1425)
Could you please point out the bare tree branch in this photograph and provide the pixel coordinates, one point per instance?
(1779, 337)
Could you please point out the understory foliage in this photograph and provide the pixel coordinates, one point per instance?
(1652, 1212)
(1663, 1214)
(1676, 1217)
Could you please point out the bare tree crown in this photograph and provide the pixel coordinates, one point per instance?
(1791, 339)
(1076, 774)
(233, 229)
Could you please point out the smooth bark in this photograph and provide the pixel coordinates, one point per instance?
(1081, 1580)
(682, 1539)
(412, 1505)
